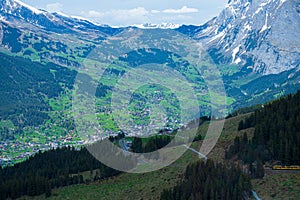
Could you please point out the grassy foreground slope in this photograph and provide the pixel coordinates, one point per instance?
(280, 185)
(149, 185)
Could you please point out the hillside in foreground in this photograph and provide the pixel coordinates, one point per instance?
(271, 185)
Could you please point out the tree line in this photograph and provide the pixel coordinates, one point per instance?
(209, 180)
(276, 136)
(51, 169)
(151, 144)
(25, 86)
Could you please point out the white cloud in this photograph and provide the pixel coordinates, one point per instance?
(122, 15)
(54, 7)
(141, 15)
(135, 11)
(93, 13)
(182, 10)
(155, 11)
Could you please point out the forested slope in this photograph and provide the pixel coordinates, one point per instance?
(25, 87)
(51, 169)
(276, 136)
(210, 181)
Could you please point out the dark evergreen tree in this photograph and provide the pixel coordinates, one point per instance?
(241, 125)
(210, 181)
(137, 145)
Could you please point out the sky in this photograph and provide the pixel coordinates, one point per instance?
(130, 12)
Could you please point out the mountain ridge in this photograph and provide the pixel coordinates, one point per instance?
(238, 40)
(258, 34)
(22, 15)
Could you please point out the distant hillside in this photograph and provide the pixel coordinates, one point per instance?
(25, 87)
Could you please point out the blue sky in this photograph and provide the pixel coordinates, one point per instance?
(128, 12)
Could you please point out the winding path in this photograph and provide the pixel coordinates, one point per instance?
(195, 151)
(255, 195)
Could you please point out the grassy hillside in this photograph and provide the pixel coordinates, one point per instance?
(149, 185)
(278, 186)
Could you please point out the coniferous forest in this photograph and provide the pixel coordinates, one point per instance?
(51, 169)
(276, 136)
(152, 144)
(210, 181)
(24, 87)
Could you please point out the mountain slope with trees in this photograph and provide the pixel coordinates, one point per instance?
(210, 181)
(25, 86)
(51, 169)
(276, 136)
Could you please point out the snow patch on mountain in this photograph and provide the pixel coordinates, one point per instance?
(87, 20)
(234, 52)
(265, 26)
(62, 14)
(36, 11)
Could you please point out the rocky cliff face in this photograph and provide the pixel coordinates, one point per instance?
(259, 34)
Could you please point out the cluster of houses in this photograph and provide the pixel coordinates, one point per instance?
(10, 148)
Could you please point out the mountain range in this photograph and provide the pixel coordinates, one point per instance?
(255, 44)
(261, 35)
(256, 40)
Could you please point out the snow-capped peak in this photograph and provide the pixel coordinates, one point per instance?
(10, 5)
(87, 20)
(255, 33)
(154, 26)
(36, 11)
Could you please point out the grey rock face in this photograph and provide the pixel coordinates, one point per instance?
(258, 34)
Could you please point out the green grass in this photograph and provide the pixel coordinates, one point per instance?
(228, 69)
(146, 93)
(278, 186)
(6, 124)
(128, 186)
(150, 185)
(147, 185)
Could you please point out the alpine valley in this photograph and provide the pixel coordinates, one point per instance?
(254, 43)
(253, 46)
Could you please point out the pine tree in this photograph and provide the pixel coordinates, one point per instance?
(241, 125)
(260, 171)
(47, 189)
